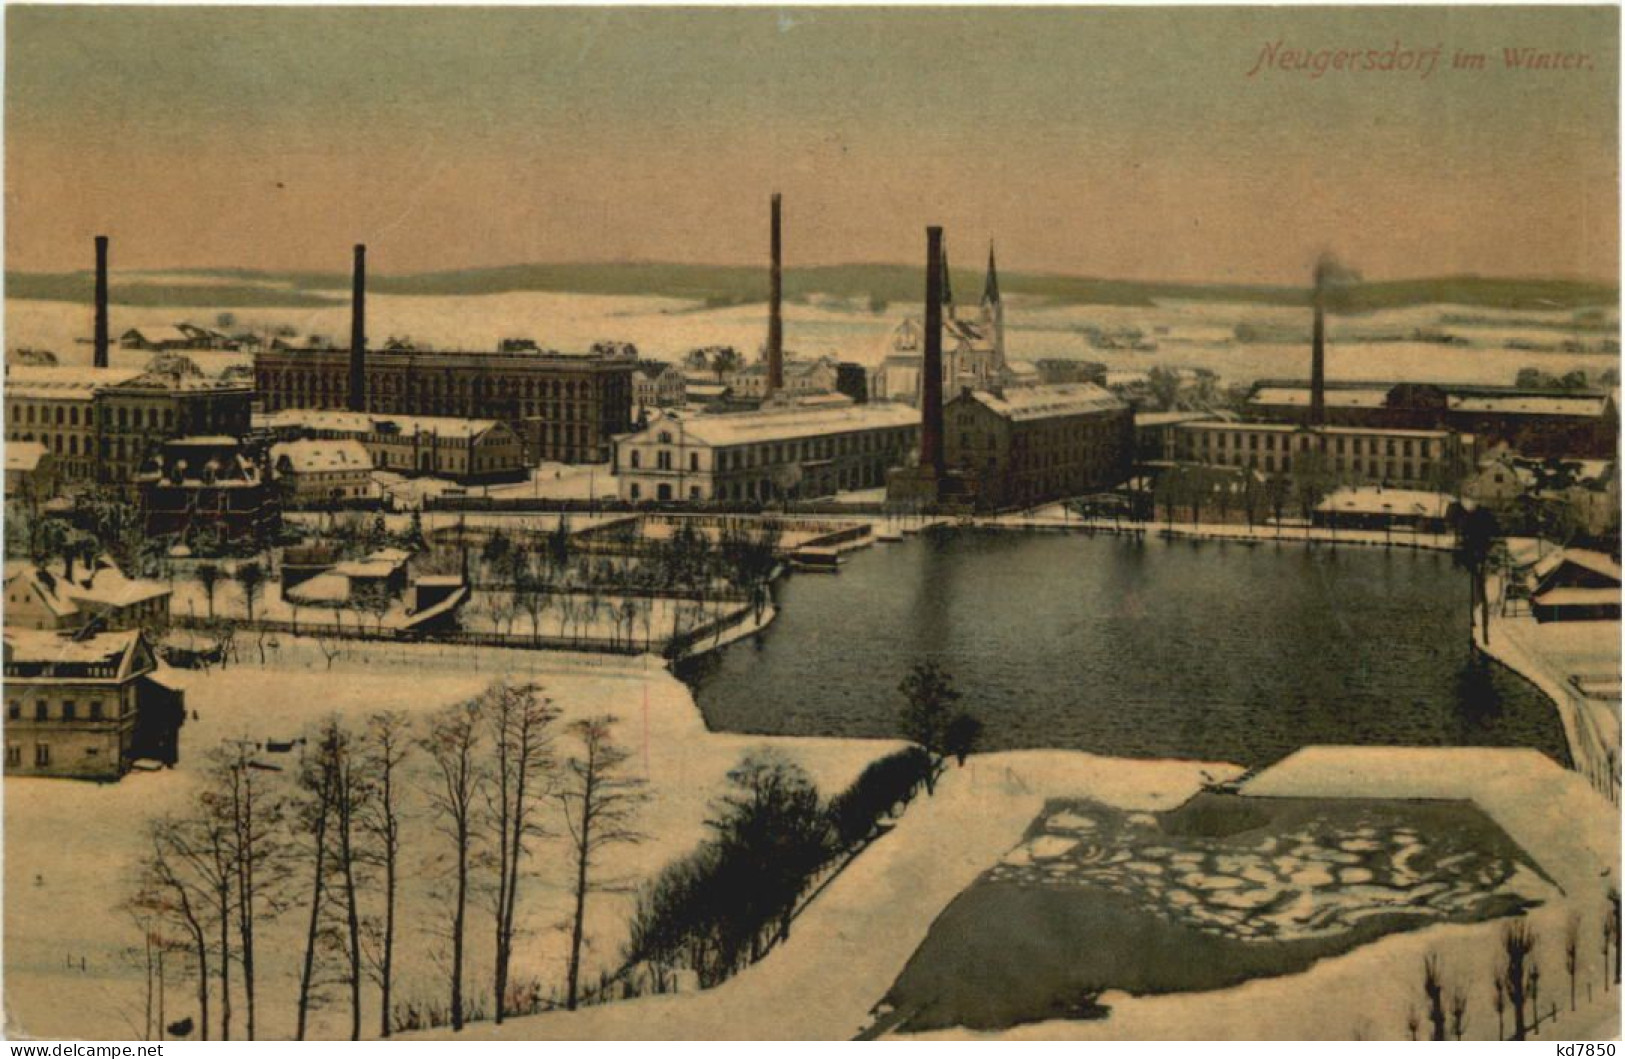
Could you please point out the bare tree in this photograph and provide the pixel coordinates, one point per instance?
(384, 748)
(1518, 942)
(1500, 1004)
(208, 575)
(1458, 1012)
(251, 815)
(1571, 955)
(180, 898)
(1433, 986)
(599, 803)
(453, 743)
(352, 790)
(520, 719)
(251, 577)
(311, 815)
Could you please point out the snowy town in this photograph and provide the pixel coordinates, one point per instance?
(950, 649)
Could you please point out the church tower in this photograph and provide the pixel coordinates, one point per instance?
(993, 308)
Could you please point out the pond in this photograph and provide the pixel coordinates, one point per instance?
(1140, 649)
(1220, 891)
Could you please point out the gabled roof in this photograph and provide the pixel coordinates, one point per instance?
(340, 454)
(1595, 562)
(1046, 402)
(158, 333)
(72, 653)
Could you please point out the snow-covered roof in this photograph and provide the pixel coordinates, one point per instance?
(54, 380)
(23, 456)
(308, 456)
(1336, 397)
(43, 645)
(326, 419)
(1375, 500)
(1596, 562)
(158, 334)
(1168, 419)
(1048, 402)
(788, 424)
(99, 584)
(440, 426)
(1587, 406)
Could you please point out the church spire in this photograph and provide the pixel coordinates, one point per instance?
(990, 295)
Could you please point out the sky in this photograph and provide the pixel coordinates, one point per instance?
(1143, 143)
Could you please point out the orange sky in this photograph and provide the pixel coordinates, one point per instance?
(1116, 142)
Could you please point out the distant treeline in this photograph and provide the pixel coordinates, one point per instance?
(872, 286)
(80, 287)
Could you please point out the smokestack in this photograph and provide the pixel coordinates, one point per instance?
(775, 318)
(358, 332)
(101, 302)
(1317, 367)
(931, 454)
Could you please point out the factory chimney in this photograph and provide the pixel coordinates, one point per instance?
(775, 310)
(358, 332)
(931, 454)
(100, 348)
(1317, 367)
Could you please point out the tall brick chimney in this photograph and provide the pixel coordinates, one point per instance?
(358, 332)
(931, 454)
(100, 348)
(1317, 366)
(775, 310)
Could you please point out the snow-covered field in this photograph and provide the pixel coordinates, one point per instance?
(1189, 334)
(71, 847)
(848, 947)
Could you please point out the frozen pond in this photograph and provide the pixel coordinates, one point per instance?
(1216, 892)
(1210, 651)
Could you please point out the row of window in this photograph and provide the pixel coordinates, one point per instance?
(1341, 446)
(430, 385)
(68, 710)
(42, 755)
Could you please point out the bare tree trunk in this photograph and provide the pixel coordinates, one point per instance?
(458, 921)
(317, 874)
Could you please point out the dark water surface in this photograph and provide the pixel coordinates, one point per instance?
(1152, 649)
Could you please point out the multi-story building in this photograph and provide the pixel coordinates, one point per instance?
(801, 378)
(464, 450)
(322, 471)
(207, 485)
(171, 399)
(565, 408)
(1033, 444)
(658, 385)
(57, 407)
(1579, 423)
(65, 595)
(100, 424)
(765, 455)
(86, 707)
(1436, 459)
